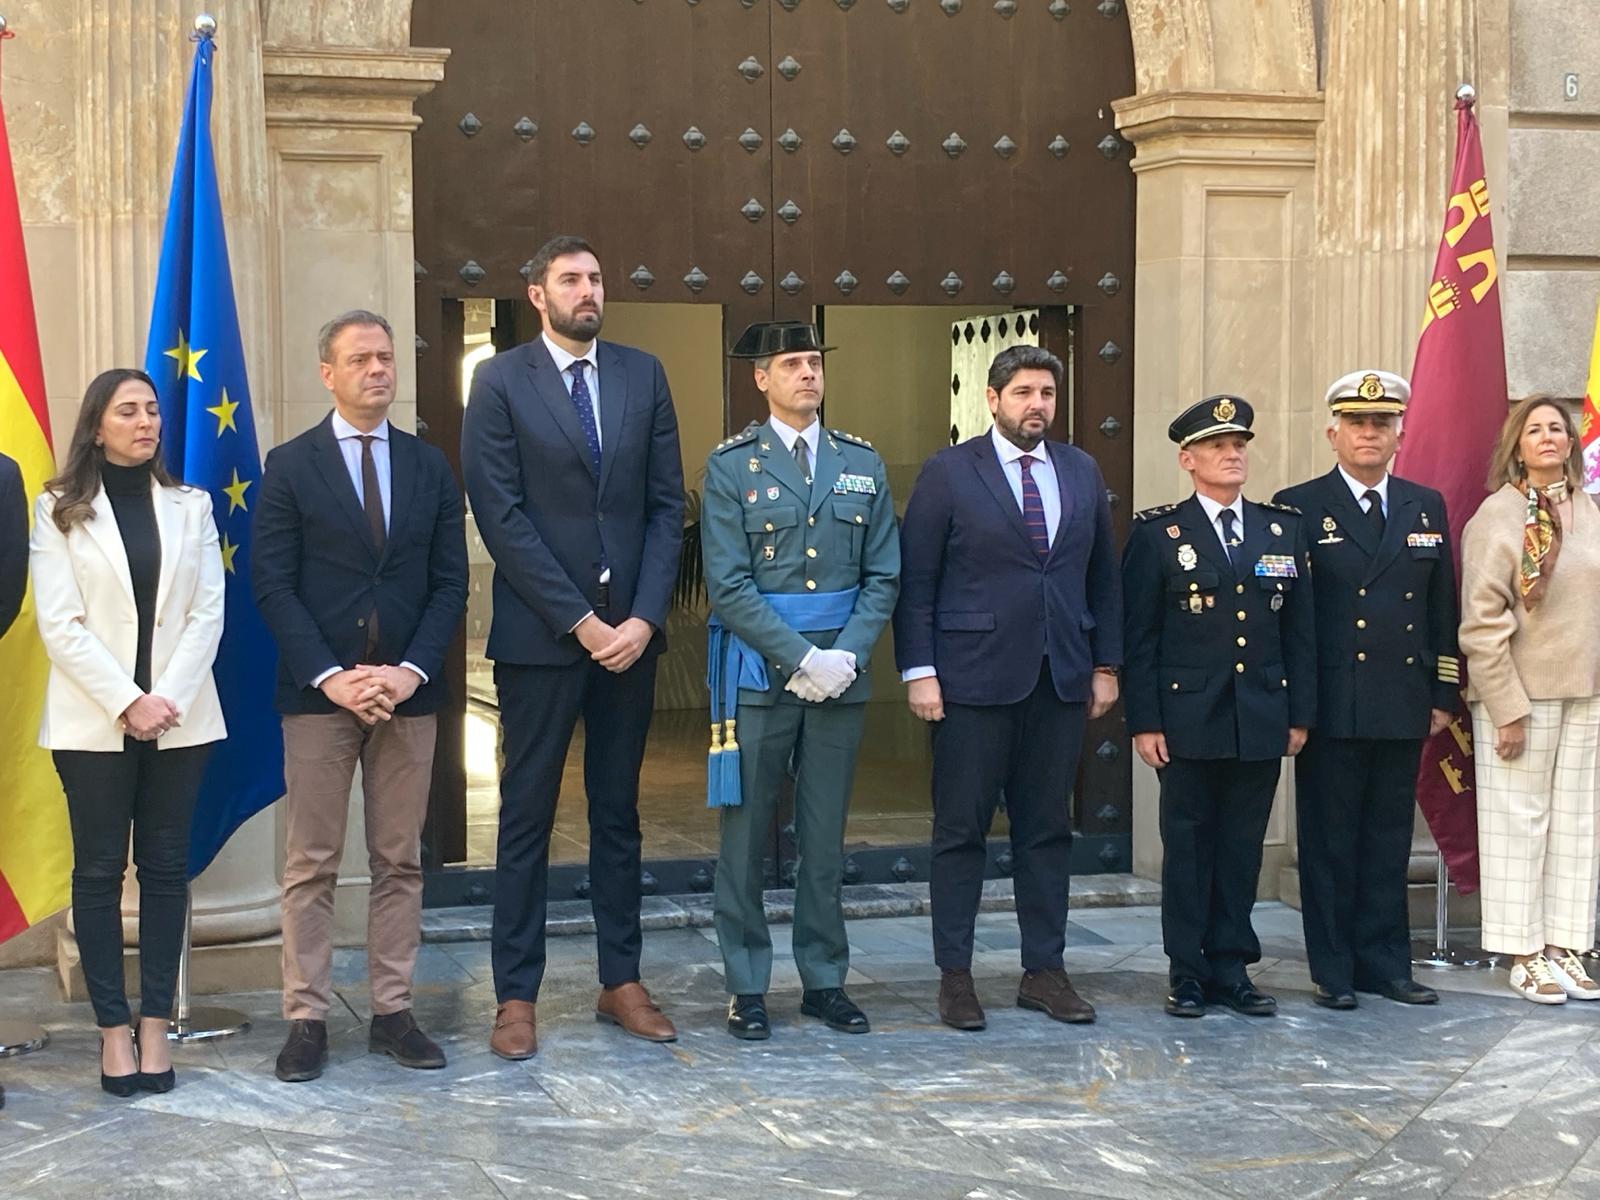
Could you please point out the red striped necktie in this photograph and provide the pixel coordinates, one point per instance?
(1033, 509)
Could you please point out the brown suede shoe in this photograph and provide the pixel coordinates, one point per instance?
(1052, 993)
(515, 1036)
(630, 1006)
(958, 1001)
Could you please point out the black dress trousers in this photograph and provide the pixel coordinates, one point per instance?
(1027, 751)
(1355, 799)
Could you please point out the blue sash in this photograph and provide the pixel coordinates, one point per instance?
(731, 664)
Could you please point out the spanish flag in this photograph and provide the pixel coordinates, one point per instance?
(1589, 419)
(35, 839)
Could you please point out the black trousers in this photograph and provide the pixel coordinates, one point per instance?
(1027, 751)
(539, 708)
(1355, 800)
(153, 791)
(1214, 814)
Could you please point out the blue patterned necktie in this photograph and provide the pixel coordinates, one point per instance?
(584, 404)
(1033, 509)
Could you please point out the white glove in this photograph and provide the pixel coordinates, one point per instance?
(805, 687)
(832, 670)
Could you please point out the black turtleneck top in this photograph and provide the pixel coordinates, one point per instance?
(128, 489)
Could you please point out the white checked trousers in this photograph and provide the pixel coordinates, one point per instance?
(1539, 829)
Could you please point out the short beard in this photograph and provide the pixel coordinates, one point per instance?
(1014, 435)
(575, 325)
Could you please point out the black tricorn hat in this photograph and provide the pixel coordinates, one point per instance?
(1212, 416)
(766, 339)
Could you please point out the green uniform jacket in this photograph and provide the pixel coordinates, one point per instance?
(762, 530)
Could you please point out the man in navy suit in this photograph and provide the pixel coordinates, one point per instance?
(1009, 634)
(360, 572)
(1387, 679)
(570, 452)
(13, 542)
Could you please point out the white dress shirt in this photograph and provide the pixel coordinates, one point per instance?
(788, 434)
(1359, 489)
(1044, 477)
(349, 438)
(1214, 512)
(591, 375)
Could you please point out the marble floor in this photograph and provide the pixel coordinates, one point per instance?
(1484, 1095)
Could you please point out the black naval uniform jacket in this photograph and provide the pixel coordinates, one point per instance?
(1223, 665)
(1386, 610)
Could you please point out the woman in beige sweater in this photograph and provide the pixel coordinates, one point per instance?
(1530, 631)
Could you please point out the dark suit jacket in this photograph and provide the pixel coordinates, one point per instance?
(13, 542)
(1404, 596)
(976, 603)
(317, 576)
(1212, 663)
(549, 522)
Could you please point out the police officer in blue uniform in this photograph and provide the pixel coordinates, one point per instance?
(802, 568)
(1219, 684)
(1387, 678)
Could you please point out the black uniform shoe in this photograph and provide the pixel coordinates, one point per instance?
(1242, 997)
(1404, 991)
(1341, 999)
(1186, 999)
(304, 1053)
(747, 1018)
(397, 1035)
(835, 1009)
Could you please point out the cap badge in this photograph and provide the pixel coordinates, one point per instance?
(1224, 410)
(1371, 388)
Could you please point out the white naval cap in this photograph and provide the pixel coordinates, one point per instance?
(1369, 392)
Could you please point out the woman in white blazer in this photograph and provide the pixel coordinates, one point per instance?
(128, 584)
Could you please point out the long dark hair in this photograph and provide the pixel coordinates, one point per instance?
(78, 482)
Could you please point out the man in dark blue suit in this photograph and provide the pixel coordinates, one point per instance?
(13, 542)
(360, 572)
(1221, 684)
(1009, 633)
(570, 451)
(1387, 679)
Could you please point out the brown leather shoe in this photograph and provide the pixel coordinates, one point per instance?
(515, 1036)
(958, 1001)
(630, 1006)
(1052, 993)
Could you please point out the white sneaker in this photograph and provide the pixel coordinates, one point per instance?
(1574, 980)
(1527, 979)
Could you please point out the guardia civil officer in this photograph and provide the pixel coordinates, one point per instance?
(802, 567)
(1219, 684)
(1387, 678)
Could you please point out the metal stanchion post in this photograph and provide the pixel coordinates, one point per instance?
(199, 1024)
(21, 1037)
(1440, 956)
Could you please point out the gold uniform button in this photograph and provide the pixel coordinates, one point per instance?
(1409, 661)
(1241, 641)
(1239, 588)
(769, 526)
(811, 520)
(858, 519)
(1238, 668)
(1361, 591)
(1283, 683)
(1174, 687)
(1361, 622)
(811, 551)
(1240, 614)
(1361, 656)
(1408, 595)
(811, 586)
(1409, 628)
(1194, 587)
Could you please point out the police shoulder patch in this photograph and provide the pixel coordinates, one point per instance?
(1160, 510)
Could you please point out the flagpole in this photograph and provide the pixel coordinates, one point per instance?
(1441, 956)
(203, 1024)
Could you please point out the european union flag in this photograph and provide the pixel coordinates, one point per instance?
(208, 439)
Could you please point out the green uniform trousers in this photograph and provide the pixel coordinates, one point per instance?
(823, 739)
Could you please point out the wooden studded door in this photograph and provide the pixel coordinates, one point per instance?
(780, 157)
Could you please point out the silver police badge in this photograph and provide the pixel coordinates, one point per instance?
(1186, 557)
(1276, 602)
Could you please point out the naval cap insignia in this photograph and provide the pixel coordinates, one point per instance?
(1224, 410)
(1371, 388)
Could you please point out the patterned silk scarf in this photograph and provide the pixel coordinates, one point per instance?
(1541, 540)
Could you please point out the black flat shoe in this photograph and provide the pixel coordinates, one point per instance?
(1343, 999)
(1186, 999)
(1403, 991)
(747, 1018)
(1243, 998)
(834, 1009)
